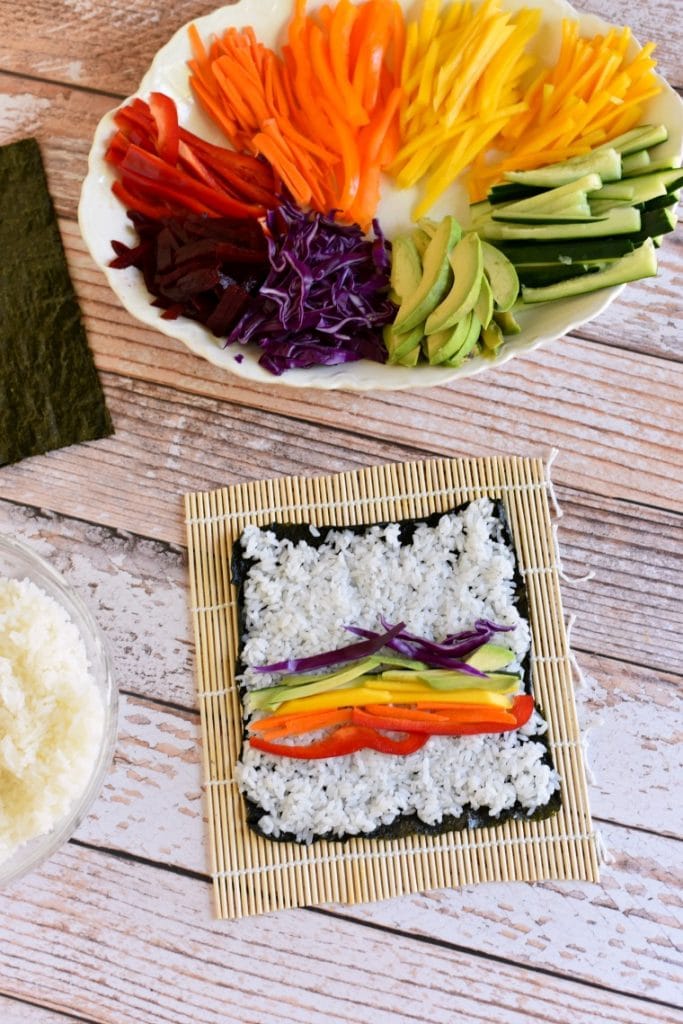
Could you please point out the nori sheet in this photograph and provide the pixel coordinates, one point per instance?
(50, 394)
(403, 824)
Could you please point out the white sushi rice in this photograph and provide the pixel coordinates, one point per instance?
(297, 599)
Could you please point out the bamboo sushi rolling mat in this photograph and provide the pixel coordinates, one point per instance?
(252, 875)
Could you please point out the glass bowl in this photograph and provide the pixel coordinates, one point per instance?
(17, 561)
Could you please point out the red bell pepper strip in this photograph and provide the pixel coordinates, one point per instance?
(165, 116)
(148, 166)
(153, 191)
(346, 740)
(133, 202)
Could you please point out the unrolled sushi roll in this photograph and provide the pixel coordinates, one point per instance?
(441, 606)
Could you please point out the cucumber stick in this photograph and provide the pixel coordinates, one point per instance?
(619, 221)
(605, 163)
(640, 263)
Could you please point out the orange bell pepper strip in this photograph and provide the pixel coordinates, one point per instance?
(341, 28)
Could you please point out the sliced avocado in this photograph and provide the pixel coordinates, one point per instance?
(491, 339)
(467, 346)
(406, 266)
(500, 682)
(441, 346)
(428, 225)
(269, 697)
(490, 658)
(507, 322)
(483, 307)
(400, 345)
(421, 240)
(436, 277)
(502, 277)
(467, 264)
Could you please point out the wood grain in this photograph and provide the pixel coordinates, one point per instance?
(166, 445)
(13, 1011)
(141, 945)
(68, 47)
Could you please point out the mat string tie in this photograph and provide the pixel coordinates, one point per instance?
(554, 452)
(560, 568)
(604, 856)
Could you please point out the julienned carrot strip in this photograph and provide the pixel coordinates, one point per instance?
(213, 109)
(196, 44)
(325, 114)
(286, 168)
(292, 724)
(295, 138)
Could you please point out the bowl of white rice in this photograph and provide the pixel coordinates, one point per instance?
(58, 710)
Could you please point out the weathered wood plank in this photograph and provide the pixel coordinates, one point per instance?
(121, 942)
(643, 319)
(14, 1012)
(617, 437)
(69, 49)
(630, 610)
(613, 611)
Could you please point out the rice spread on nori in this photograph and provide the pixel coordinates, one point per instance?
(299, 586)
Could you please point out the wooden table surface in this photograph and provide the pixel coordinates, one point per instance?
(118, 926)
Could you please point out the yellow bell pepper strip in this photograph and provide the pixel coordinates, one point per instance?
(346, 740)
(357, 696)
(592, 93)
(462, 80)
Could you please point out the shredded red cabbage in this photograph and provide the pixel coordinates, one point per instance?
(328, 658)
(448, 654)
(324, 301)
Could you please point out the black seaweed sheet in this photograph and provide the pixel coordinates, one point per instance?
(404, 824)
(50, 395)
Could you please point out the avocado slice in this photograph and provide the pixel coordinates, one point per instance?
(491, 339)
(470, 341)
(400, 345)
(490, 658)
(441, 346)
(436, 277)
(483, 307)
(467, 264)
(421, 240)
(502, 277)
(506, 322)
(406, 266)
